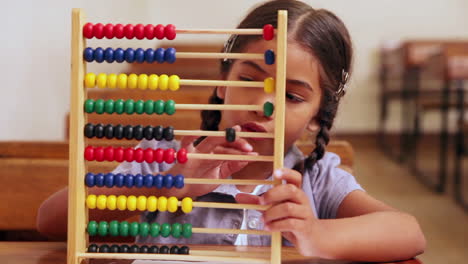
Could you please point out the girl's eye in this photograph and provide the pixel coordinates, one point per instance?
(245, 78)
(293, 98)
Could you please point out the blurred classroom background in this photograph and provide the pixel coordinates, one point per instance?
(401, 127)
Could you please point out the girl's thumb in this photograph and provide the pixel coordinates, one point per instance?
(247, 198)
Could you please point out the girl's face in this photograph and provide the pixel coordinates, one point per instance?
(303, 94)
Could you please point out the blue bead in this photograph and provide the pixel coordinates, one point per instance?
(90, 180)
(179, 181)
(149, 55)
(158, 181)
(99, 180)
(119, 180)
(119, 55)
(148, 181)
(88, 54)
(109, 180)
(269, 57)
(109, 55)
(159, 55)
(138, 180)
(168, 181)
(129, 55)
(170, 55)
(140, 55)
(99, 55)
(129, 180)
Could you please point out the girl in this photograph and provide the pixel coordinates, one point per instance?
(321, 210)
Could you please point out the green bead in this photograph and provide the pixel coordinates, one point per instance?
(119, 106)
(114, 228)
(109, 106)
(89, 106)
(140, 107)
(170, 107)
(159, 107)
(134, 228)
(99, 106)
(129, 106)
(187, 230)
(144, 229)
(176, 230)
(268, 109)
(155, 229)
(103, 228)
(92, 228)
(123, 228)
(165, 230)
(149, 107)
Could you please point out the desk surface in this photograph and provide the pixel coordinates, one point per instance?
(56, 252)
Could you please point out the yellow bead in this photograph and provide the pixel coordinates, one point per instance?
(111, 202)
(187, 205)
(162, 204)
(174, 83)
(122, 81)
(101, 80)
(172, 204)
(163, 82)
(122, 202)
(90, 80)
(141, 203)
(132, 81)
(143, 81)
(269, 85)
(91, 201)
(153, 81)
(152, 204)
(131, 203)
(101, 202)
(112, 80)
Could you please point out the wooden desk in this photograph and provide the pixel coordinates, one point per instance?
(56, 252)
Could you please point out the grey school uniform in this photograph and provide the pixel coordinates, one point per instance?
(325, 185)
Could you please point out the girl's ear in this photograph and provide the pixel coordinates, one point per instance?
(313, 126)
(221, 92)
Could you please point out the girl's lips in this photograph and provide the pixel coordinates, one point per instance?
(252, 127)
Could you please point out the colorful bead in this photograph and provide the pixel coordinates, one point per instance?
(170, 55)
(122, 202)
(98, 31)
(141, 203)
(128, 133)
(112, 80)
(138, 132)
(230, 134)
(142, 81)
(134, 229)
(90, 80)
(129, 55)
(124, 228)
(149, 107)
(187, 230)
(148, 179)
(90, 180)
(268, 109)
(148, 131)
(104, 248)
(155, 229)
(131, 203)
(174, 83)
(109, 131)
(92, 228)
(159, 155)
(159, 55)
(159, 31)
(269, 57)
(164, 250)
(169, 155)
(129, 106)
(111, 202)
(109, 180)
(119, 178)
(158, 132)
(128, 31)
(184, 250)
(89, 106)
(179, 181)
(140, 55)
(144, 229)
(119, 55)
(91, 201)
(159, 107)
(103, 228)
(144, 249)
(99, 131)
(187, 205)
(101, 80)
(170, 32)
(132, 81)
(124, 249)
(158, 181)
(100, 180)
(268, 32)
(138, 180)
(168, 181)
(174, 249)
(109, 153)
(182, 155)
(140, 107)
(168, 133)
(88, 54)
(114, 249)
(99, 106)
(89, 130)
(153, 81)
(172, 204)
(118, 131)
(163, 82)
(119, 31)
(122, 81)
(149, 31)
(152, 203)
(119, 107)
(88, 30)
(149, 55)
(153, 250)
(99, 55)
(176, 229)
(269, 85)
(162, 204)
(149, 155)
(92, 248)
(101, 202)
(139, 31)
(114, 228)
(139, 155)
(109, 106)
(134, 249)
(109, 55)
(99, 153)
(165, 230)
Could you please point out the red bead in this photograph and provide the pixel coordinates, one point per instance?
(119, 31)
(139, 31)
(169, 155)
(99, 153)
(149, 31)
(268, 32)
(109, 31)
(139, 155)
(169, 32)
(149, 155)
(159, 31)
(89, 153)
(109, 153)
(119, 154)
(159, 155)
(128, 31)
(88, 30)
(182, 155)
(129, 154)
(98, 31)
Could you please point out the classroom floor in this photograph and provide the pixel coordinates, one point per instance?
(444, 223)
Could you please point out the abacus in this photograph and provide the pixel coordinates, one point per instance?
(79, 228)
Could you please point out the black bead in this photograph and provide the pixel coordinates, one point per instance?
(118, 131)
(148, 132)
(174, 250)
(89, 130)
(230, 134)
(153, 249)
(184, 250)
(144, 249)
(104, 248)
(99, 131)
(158, 132)
(134, 249)
(168, 133)
(124, 249)
(138, 132)
(109, 131)
(128, 132)
(92, 248)
(115, 249)
(164, 250)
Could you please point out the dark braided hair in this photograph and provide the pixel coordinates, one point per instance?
(320, 32)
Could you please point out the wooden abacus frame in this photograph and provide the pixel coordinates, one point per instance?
(77, 211)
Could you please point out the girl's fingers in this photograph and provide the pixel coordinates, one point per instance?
(284, 193)
(187, 142)
(285, 210)
(245, 198)
(285, 225)
(209, 143)
(227, 168)
(289, 175)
